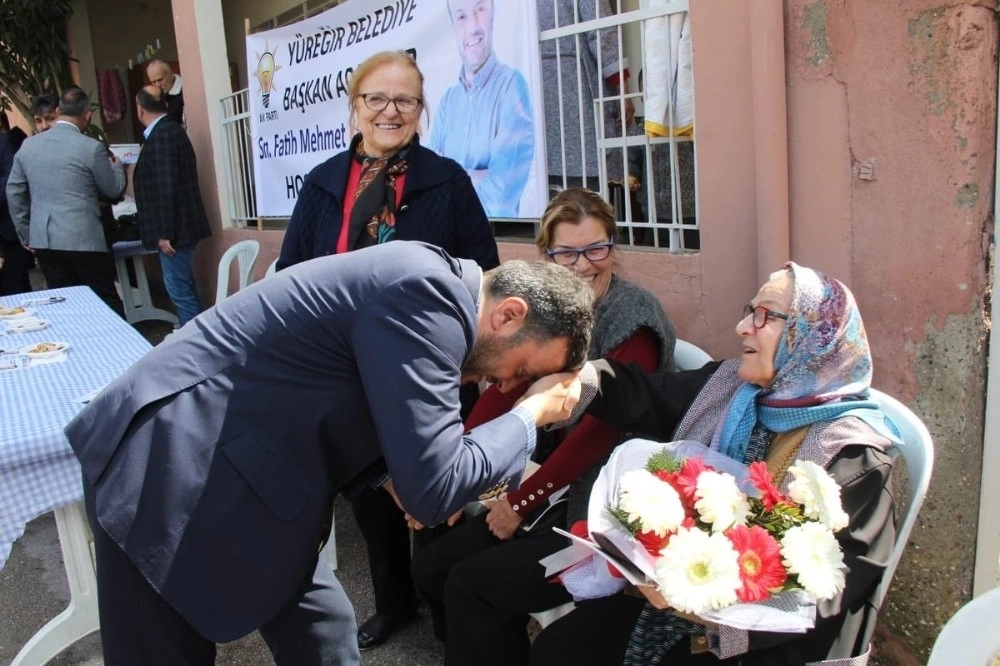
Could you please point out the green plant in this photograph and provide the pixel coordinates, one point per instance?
(34, 53)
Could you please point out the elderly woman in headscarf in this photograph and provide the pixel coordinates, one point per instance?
(385, 187)
(798, 391)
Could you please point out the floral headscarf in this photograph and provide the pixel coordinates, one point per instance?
(823, 365)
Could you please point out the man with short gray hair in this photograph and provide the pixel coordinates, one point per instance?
(53, 190)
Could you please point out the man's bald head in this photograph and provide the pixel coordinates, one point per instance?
(160, 75)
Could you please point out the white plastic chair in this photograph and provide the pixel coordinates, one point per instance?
(688, 356)
(272, 269)
(970, 636)
(245, 254)
(917, 452)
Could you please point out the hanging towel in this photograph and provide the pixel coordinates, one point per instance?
(112, 95)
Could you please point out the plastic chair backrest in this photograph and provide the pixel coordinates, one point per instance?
(245, 253)
(272, 269)
(970, 636)
(917, 452)
(688, 356)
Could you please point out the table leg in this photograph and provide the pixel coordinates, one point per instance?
(80, 617)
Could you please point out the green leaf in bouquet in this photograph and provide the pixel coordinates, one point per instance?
(778, 520)
(663, 462)
(621, 516)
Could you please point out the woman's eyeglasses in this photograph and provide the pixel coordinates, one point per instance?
(761, 315)
(378, 102)
(569, 256)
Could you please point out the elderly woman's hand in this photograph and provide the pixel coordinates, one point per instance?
(551, 399)
(502, 520)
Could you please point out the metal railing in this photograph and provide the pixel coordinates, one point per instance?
(660, 213)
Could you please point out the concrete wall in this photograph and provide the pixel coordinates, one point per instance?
(892, 126)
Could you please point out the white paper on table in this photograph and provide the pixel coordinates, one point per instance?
(56, 358)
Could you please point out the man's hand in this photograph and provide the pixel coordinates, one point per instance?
(166, 248)
(551, 399)
(415, 524)
(502, 520)
(1, 263)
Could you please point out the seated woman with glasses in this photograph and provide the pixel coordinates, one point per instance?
(387, 186)
(799, 390)
(482, 578)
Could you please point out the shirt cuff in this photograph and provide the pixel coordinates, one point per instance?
(380, 480)
(529, 425)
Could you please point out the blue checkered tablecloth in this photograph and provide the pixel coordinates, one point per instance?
(38, 471)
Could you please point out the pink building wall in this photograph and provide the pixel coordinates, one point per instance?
(890, 155)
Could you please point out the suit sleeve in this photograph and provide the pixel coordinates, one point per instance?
(19, 200)
(109, 178)
(410, 344)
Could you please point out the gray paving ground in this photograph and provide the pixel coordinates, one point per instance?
(33, 590)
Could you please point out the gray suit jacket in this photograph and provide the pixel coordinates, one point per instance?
(214, 460)
(53, 189)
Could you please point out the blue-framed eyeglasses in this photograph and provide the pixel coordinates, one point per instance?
(761, 315)
(566, 256)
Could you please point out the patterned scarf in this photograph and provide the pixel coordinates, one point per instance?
(373, 215)
(823, 363)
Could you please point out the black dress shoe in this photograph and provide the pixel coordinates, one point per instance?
(377, 629)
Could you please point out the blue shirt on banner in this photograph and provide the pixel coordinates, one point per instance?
(487, 128)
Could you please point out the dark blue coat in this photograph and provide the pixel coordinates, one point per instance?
(214, 460)
(439, 206)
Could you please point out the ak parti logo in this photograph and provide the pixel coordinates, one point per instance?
(266, 68)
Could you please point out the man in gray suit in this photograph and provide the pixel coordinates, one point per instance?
(52, 193)
(211, 465)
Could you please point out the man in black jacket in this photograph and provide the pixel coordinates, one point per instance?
(171, 214)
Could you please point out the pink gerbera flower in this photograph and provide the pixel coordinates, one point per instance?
(770, 496)
(686, 480)
(761, 570)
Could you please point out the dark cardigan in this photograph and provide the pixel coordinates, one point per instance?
(439, 206)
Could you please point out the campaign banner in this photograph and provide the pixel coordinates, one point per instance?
(482, 84)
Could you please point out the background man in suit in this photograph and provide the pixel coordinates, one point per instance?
(167, 200)
(483, 122)
(211, 465)
(52, 193)
(161, 76)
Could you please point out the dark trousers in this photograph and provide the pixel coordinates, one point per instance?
(139, 628)
(387, 539)
(14, 274)
(596, 632)
(68, 268)
(485, 588)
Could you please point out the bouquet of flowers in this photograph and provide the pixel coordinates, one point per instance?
(718, 539)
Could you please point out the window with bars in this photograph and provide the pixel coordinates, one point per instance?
(589, 86)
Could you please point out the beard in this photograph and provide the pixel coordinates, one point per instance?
(482, 359)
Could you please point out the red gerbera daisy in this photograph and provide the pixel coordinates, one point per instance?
(686, 480)
(652, 542)
(760, 562)
(761, 479)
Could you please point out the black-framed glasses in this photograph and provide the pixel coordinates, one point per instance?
(569, 256)
(761, 315)
(378, 102)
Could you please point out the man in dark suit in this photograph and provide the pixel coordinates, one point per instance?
(167, 200)
(211, 465)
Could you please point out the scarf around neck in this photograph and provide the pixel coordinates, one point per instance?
(373, 215)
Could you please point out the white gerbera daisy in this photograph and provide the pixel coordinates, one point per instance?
(818, 494)
(651, 501)
(720, 501)
(811, 552)
(698, 571)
